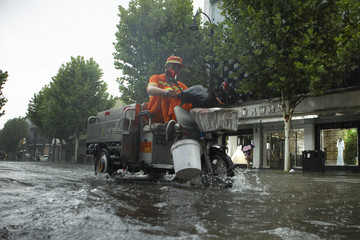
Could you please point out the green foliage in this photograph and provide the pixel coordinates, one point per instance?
(3, 100)
(75, 93)
(38, 109)
(351, 144)
(149, 31)
(291, 46)
(13, 132)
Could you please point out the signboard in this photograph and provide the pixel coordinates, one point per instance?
(145, 147)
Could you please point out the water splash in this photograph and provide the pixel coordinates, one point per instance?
(248, 180)
(291, 234)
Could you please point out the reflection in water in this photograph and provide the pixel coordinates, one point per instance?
(43, 200)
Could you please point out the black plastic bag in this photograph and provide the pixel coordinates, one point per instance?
(198, 96)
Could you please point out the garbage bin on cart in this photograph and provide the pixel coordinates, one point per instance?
(313, 161)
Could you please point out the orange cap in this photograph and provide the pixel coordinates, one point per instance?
(176, 60)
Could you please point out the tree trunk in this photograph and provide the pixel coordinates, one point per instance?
(287, 144)
(76, 149)
(35, 145)
(60, 151)
(288, 109)
(54, 150)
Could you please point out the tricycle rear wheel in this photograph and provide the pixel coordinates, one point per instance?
(103, 163)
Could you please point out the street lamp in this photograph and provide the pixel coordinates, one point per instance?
(195, 27)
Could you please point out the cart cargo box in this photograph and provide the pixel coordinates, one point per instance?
(215, 119)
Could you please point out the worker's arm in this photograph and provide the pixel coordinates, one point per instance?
(155, 91)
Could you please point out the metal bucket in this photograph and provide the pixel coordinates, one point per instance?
(186, 157)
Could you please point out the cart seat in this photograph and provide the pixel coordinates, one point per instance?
(155, 128)
(146, 117)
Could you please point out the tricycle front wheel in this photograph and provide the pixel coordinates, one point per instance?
(221, 164)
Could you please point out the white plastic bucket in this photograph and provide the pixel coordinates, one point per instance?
(186, 157)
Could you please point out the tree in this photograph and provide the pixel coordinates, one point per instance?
(350, 153)
(61, 109)
(289, 48)
(149, 32)
(38, 108)
(3, 100)
(14, 131)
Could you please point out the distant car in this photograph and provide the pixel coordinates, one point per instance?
(44, 158)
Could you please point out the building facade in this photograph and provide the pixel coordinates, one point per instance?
(329, 123)
(36, 145)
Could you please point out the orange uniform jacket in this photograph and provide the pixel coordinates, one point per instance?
(162, 107)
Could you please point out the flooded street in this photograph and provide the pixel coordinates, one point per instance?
(67, 201)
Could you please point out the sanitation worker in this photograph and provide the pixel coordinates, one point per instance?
(163, 92)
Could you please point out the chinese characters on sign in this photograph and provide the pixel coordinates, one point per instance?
(253, 111)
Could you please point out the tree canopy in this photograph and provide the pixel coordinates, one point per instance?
(3, 100)
(38, 111)
(291, 46)
(150, 31)
(12, 134)
(61, 109)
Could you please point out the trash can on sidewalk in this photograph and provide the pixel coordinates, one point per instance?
(313, 161)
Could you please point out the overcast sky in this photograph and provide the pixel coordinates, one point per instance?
(38, 36)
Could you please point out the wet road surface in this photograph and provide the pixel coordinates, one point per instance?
(66, 201)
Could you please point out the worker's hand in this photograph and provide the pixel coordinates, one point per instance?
(171, 93)
(155, 91)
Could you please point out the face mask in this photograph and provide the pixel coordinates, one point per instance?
(170, 75)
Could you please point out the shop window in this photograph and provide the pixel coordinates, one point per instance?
(340, 146)
(275, 149)
(235, 144)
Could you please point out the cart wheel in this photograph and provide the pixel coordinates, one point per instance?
(103, 163)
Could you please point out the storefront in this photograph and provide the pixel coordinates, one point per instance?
(329, 123)
(340, 142)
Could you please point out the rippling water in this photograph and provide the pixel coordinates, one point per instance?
(53, 201)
